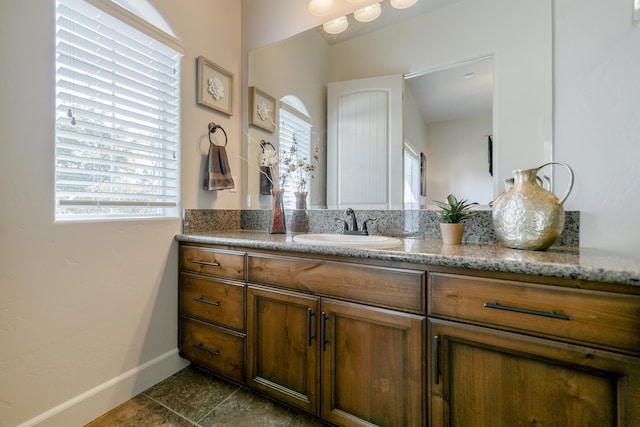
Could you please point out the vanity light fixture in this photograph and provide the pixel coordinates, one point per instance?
(320, 7)
(365, 14)
(402, 4)
(368, 13)
(336, 26)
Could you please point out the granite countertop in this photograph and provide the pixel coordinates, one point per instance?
(561, 262)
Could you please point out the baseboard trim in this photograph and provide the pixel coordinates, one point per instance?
(91, 404)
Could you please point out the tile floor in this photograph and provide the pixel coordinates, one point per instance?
(195, 398)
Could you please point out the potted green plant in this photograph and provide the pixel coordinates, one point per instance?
(452, 213)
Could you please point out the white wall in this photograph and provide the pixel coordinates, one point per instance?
(457, 160)
(597, 118)
(516, 33)
(283, 69)
(84, 304)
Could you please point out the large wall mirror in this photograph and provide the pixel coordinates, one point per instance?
(470, 93)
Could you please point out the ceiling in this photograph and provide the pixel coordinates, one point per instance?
(389, 16)
(454, 93)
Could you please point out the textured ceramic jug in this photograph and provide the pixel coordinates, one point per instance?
(527, 216)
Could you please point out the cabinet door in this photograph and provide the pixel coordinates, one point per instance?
(372, 366)
(282, 349)
(484, 377)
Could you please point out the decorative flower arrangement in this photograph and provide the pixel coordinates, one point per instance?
(269, 162)
(299, 169)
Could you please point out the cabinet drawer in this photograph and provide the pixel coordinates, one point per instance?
(216, 262)
(585, 316)
(217, 349)
(212, 300)
(382, 286)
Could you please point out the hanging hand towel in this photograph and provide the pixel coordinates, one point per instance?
(218, 175)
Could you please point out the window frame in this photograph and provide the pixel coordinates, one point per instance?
(123, 104)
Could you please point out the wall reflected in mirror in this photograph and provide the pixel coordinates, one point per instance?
(449, 121)
(513, 37)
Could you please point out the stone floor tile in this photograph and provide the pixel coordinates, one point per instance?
(140, 412)
(245, 408)
(191, 392)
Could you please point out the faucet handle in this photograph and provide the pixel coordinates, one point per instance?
(345, 224)
(364, 224)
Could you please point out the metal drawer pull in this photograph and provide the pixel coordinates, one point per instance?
(208, 350)
(206, 301)
(436, 360)
(551, 313)
(323, 331)
(310, 335)
(212, 264)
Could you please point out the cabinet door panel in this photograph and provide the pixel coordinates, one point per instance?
(282, 346)
(481, 377)
(372, 366)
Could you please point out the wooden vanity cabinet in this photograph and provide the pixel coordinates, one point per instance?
(211, 307)
(364, 342)
(508, 353)
(372, 365)
(351, 363)
(283, 351)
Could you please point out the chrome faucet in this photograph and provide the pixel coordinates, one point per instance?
(351, 215)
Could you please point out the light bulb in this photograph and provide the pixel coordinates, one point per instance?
(336, 26)
(402, 4)
(368, 13)
(319, 7)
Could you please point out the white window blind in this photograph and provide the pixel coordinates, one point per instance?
(117, 118)
(295, 128)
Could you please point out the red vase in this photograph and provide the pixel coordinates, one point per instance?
(278, 225)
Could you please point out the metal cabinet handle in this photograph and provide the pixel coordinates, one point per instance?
(207, 350)
(551, 313)
(436, 360)
(310, 314)
(206, 301)
(209, 263)
(323, 331)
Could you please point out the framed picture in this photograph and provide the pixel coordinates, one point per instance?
(215, 86)
(423, 174)
(263, 109)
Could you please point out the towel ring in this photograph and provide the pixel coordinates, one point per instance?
(212, 129)
(263, 143)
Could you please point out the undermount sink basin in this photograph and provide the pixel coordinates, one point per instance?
(347, 240)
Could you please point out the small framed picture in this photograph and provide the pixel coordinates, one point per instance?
(263, 109)
(423, 175)
(215, 86)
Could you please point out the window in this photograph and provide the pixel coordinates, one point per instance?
(117, 118)
(411, 178)
(294, 137)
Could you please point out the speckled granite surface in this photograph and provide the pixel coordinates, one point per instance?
(562, 262)
(397, 223)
